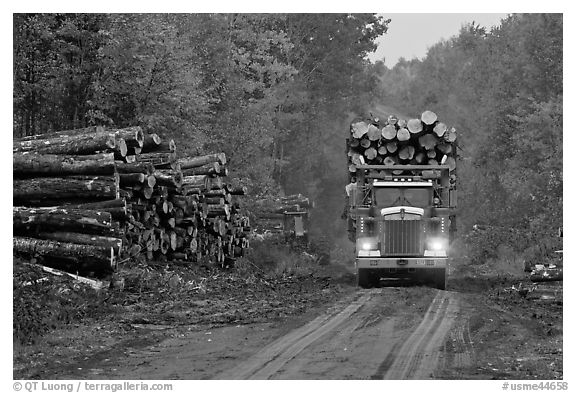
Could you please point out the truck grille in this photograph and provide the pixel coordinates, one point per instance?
(402, 237)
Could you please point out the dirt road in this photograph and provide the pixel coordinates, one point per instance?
(356, 341)
(470, 332)
(383, 333)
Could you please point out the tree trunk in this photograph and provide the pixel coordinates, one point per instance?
(138, 167)
(72, 132)
(403, 135)
(118, 208)
(120, 148)
(26, 164)
(406, 153)
(158, 159)
(373, 133)
(428, 118)
(82, 253)
(133, 136)
(130, 179)
(70, 144)
(82, 238)
(168, 178)
(389, 132)
(415, 126)
(428, 141)
(40, 191)
(391, 147)
(370, 153)
(194, 162)
(209, 169)
(151, 141)
(238, 190)
(440, 129)
(444, 148)
(359, 129)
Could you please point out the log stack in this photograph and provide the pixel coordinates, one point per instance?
(423, 141)
(85, 199)
(271, 213)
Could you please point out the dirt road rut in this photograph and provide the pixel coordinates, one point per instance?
(364, 339)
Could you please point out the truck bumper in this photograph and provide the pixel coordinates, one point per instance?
(401, 263)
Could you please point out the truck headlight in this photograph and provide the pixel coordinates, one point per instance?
(367, 244)
(437, 244)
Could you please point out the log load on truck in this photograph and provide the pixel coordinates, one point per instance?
(401, 198)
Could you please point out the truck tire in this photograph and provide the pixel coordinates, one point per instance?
(440, 279)
(363, 278)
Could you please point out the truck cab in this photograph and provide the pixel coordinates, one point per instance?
(404, 221)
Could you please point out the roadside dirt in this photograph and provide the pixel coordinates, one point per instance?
(478, 329)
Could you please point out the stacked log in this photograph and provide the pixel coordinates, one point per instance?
(88, 198)
(272, 214)
(181, 209)
(423, 141)
(67, 211)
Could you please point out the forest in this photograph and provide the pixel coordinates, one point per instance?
(276, 93)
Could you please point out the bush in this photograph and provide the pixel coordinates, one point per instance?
(275, 259)
(42, 303)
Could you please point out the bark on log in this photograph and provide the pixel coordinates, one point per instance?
(132, 136)
(51, 135)
(151, 141)
(120, 148)
(64, 219)
(193, 162)
(82, 238)
(209, 169)
(138, 167)
(82, 253)
(38, 191)
(130, 179)
(166, 146)
(118, 208)
(238, 190)
(83, 143)
(158, 159)
(26, 164)
(168, 178)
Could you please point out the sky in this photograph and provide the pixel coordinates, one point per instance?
(410, 35)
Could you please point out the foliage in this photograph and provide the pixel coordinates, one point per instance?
(41, 303)
(502, 90)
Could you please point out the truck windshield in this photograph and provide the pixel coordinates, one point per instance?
(402, 196)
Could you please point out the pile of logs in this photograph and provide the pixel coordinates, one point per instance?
(424, 141)
(85, 199)
(272, 215)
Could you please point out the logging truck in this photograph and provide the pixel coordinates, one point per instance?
(401, 200)
(403, 223)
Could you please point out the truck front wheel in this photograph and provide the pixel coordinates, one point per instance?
(363, 278)
(440, 279)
